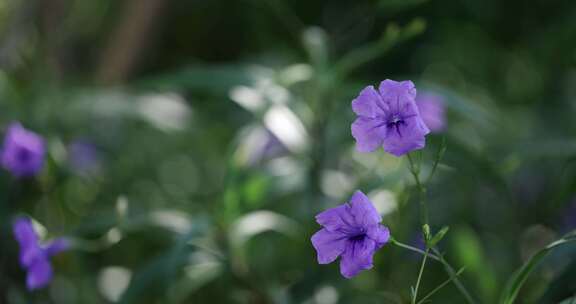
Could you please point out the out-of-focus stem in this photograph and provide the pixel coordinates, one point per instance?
(437, 256)
(421, 191)
(431, 293)
(128, 40)
(439, 156)
(450, 270)
(415, 295)
(415, 170)
(411, 248)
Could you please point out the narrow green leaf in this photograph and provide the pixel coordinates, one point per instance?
(439, 236)
(519, 277)
(392, 36)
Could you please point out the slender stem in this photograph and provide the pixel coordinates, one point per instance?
(415, 295)
(417, 250)
(431, 293)
(415, 170)
(439, 156)
(438, 257)
(450, 270)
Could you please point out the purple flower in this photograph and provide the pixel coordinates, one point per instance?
(83, 157)
(432, 111)
(389, 118)
(351, 231)
(34, 257)
(23, 151)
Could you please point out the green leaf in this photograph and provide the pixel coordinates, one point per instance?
(439, 236)
(211, 78)
(556, 289)
(519, 277)
(569, 301)
(392, 36)
(470, 252)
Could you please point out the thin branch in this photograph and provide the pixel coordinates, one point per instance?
(439, 287)
(415, 295)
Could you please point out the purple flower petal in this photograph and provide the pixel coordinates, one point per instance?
(379, 234)
(432, 111)
(329, 245)
(388, 118)
(34, 258)
(28, 256)
(369, 133)
(412, 137)
(39, 274)
(23, 151)
(357, 257)
(368, 103)
(351, 231)
(83, 157)
(336, 218)
(363, 211)
(24, 232)
(56, 246)
(27, 240)
(397, 93)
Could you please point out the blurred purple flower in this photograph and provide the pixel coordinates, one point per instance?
(418, 241)
(432, 111)
(83, 157)
(23, 151)
(34, 257)
(389, 118)
(351, 231)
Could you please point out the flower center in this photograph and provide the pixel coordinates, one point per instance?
(394, 122)
(23, 155)
(358, 237)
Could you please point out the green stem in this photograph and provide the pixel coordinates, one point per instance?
(415, 295)
(415, 170)
(439, 287)
(437, 256)
(453, 275)
(417, 250)
(439, 156)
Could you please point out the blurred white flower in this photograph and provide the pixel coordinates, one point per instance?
(249, 98)
(256, 144)
(113, 281)
(174, 220)
(384, 201)
(296, 73)
(326, 295)
(281, 121)
(336, 184)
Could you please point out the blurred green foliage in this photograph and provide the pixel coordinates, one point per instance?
(222, 127)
